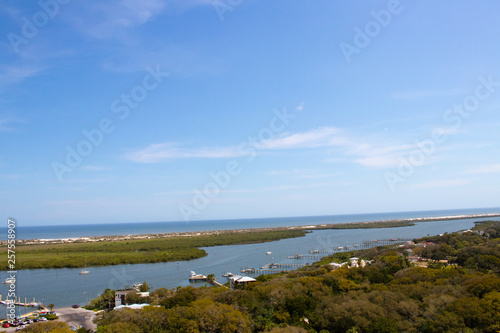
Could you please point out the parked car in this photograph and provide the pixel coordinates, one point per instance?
(75, 306)
(5, 325)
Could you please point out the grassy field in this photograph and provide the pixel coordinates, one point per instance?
(73, 255)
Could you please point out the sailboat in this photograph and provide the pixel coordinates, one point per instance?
(84, 270)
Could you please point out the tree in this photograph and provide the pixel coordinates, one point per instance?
(144, 287)
(51, 307)
(121, 327)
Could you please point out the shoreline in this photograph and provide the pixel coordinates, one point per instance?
(348, 225)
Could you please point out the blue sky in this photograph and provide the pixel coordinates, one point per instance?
(127, 110)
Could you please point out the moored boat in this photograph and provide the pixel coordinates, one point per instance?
(197, 277)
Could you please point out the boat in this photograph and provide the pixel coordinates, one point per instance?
(228, 274)
(9, 281)
(268, 252)
(197, 277)
(84, 271)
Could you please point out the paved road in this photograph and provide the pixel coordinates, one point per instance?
(71, 317)
(78, 316)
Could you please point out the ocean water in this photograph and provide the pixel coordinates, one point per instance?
(64, 287)
(87, 230)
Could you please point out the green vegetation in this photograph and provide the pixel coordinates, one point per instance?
(50, 316)
(459, 293)
(53, 327)
(104, 301)
(133, 251)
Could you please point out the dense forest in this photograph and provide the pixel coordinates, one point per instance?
(446, 283)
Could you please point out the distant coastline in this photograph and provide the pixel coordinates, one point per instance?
(349, 225)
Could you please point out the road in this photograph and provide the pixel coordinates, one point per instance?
(71, 317)
(78, 316)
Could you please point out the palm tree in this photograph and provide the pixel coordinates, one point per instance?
(51, 307)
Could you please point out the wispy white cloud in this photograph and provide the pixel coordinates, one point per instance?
(165, 151)
(12, 176)
(94, 168)
(366, 151)
(489, 168)
(320, 137)
(5, 126)
(16, 73)
(110, 19)
(441, 183)
(311, 174)
(315, 138)
(378, 161)
(104, 20)
(422, 94)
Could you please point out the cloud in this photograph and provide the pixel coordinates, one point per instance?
(157, 152)
(378, 161)
(320, 137)
(423, 94)
(4, 126)
(167, 151)
(13, 74)
(441, 183)
(490, 168)
(345, 147)
(309, 174)
(109, 19)
(94, 168)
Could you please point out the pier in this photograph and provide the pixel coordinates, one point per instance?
(298, 256)
(215, 283)
(18, 302)
(274, 267)
(268, 268)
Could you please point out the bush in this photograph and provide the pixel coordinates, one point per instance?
(50, 316)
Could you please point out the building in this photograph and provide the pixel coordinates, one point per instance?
(120, 296)
(240, 280)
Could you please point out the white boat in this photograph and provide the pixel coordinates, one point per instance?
(228, 274)
(9, 281)
(197, 277)
(268, 252)
(84, 271)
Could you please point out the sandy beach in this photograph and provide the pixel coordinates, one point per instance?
(353, 225)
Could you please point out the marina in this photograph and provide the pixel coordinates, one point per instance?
(61, 290)
(18, 302)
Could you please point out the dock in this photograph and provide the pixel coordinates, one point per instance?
(215, 283)
(274, 267)
(18, 302)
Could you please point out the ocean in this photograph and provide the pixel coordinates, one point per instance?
(104, 229)
(64, 287)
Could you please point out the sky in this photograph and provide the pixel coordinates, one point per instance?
(183, 110)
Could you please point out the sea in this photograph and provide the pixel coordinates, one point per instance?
(65, 287)
(137, 228)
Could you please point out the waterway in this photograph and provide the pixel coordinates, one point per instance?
(64, 287)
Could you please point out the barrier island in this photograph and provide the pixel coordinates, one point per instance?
(166, 247)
